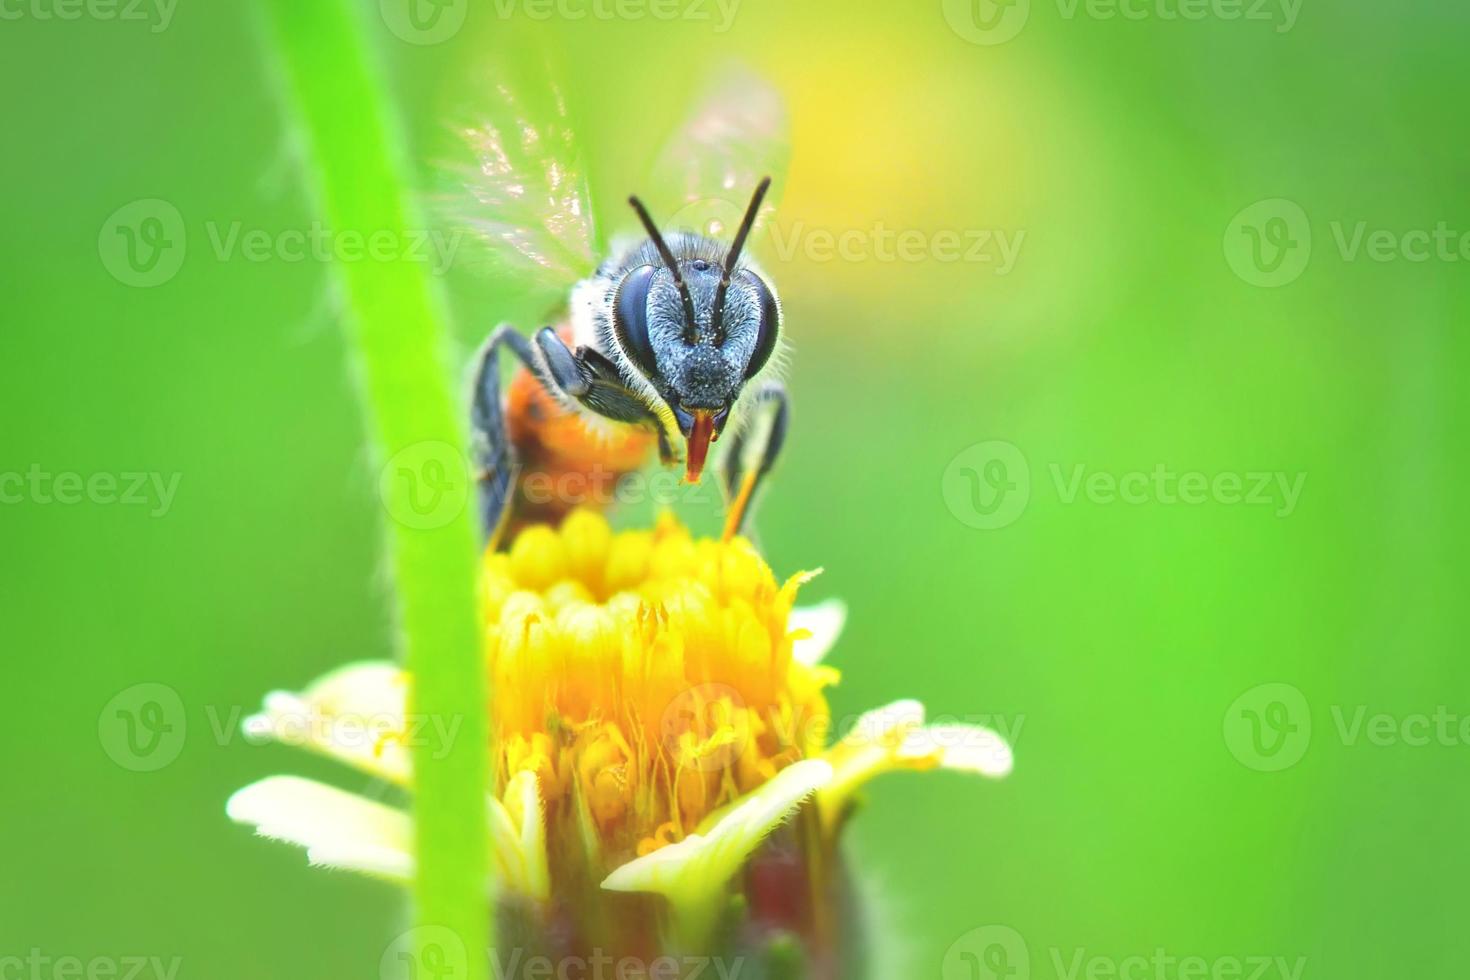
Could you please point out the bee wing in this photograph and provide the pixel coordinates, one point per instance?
(738, 133)
(521, 188)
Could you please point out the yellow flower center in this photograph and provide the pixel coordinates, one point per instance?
(646, 678)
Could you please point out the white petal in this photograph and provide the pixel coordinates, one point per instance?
(895, 737)
(518, 836)
(354, 714)
(694, 872)
(886, 725)
(505, 845)
(367, 687)
(966, 748)
(866, 750)
(337, 829)
(824, 622)
(523, 786)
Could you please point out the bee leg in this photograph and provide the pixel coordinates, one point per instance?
(584, 377)
(490, 448)
(666, 454)
(564, 367)
(591, 380)
(594, 381)
(742, 469)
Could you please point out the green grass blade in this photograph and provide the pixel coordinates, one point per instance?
(401, 341)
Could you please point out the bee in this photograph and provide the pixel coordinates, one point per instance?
(671, 342)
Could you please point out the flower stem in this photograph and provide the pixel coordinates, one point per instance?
(401, 341)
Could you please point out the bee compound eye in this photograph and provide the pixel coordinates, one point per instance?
(770, 324)
(630, 317)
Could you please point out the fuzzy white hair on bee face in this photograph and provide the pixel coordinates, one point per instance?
(691, 323)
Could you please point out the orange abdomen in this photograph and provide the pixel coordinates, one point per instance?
(564, 462)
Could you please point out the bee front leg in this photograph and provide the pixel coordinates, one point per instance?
(667, 454)
(582, 376)
(752, 453)
(595, 383)
(490, 448)
(566, 369)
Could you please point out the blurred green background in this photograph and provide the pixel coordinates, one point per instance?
(1131, 332)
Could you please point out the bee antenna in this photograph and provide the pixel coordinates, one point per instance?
(736, 247)
(668, 256)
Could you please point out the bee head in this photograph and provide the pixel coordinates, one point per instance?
(698, 329)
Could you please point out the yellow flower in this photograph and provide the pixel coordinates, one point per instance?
(657, 711)
(646, 678)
